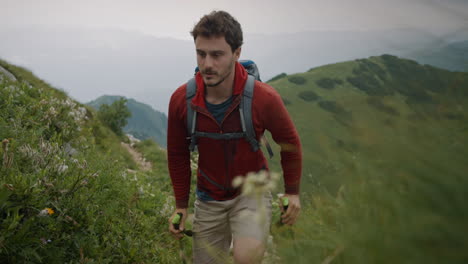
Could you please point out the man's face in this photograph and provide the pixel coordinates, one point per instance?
(215, 59)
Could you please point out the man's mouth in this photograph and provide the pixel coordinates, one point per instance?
(209, 74)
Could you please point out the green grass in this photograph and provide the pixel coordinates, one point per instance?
(387, 181)
(383, 176)
(60, 156)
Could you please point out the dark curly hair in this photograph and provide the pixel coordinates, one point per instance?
(218, 24)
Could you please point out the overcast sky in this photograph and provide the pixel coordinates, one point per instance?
(175, 18)
(37, 50)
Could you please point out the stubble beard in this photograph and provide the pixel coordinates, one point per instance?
(223, 78)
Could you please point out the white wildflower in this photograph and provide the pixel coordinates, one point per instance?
(62, 168)
(237, 181)
(52, 111)
(257, 185)
(43, 213)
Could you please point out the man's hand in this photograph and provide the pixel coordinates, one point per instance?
(178, 232)
(290, 216)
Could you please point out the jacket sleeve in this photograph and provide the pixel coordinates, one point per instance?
(178, 154)
(276, 119)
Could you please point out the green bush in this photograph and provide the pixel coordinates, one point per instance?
(414, 81)
(299, 80)
(332, 107)
(115, 115)
(378, 104)
(367, 66)
(368, 84)
(328, 83)
(308, 96)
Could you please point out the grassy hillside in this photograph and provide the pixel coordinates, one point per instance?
(384, 142)
(383, 110)
(69, 193)
(144, 123)
(384, 181)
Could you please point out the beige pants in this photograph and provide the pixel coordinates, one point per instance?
(216, 223)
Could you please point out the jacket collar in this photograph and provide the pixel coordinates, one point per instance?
(240, 78)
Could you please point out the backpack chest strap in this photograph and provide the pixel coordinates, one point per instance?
(224, 136)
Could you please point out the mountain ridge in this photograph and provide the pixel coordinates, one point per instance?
(144, 123)
(158, 66)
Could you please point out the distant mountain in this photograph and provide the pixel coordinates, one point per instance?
(87, 63)
(144, 123)
(382, 116)
(451, 56)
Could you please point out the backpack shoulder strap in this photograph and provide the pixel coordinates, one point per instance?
(191, 115)
(246, 113)
(246, 116)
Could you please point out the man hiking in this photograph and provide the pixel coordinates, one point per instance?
(212, 119)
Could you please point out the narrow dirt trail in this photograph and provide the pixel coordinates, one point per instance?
(138, 158)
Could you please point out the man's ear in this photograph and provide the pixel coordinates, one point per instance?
(237, 53)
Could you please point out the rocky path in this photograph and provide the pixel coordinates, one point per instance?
(138, 158)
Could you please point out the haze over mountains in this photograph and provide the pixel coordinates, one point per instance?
(89, 63)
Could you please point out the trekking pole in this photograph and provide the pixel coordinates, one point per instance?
(176, 223)
(288, 233)
(285, 204)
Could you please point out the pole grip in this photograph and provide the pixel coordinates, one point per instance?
(176, 220)
(285, 203)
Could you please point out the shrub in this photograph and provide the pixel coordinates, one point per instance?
(332, 107)
(299, 80)
(367, 66)
(367, 83)
(328, 83)
(377, 103)
(115, 115)
(308, 96)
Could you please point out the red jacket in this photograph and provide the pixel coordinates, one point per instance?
(222, 160)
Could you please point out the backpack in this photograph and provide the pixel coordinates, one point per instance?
(245, 110)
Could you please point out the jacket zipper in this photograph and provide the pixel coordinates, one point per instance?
(231, 109)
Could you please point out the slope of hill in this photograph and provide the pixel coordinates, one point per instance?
(384, 178)
(384, 143)
(69, 192)
(383, 105)
(144, 123)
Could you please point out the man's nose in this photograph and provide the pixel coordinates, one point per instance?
(208, 61)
